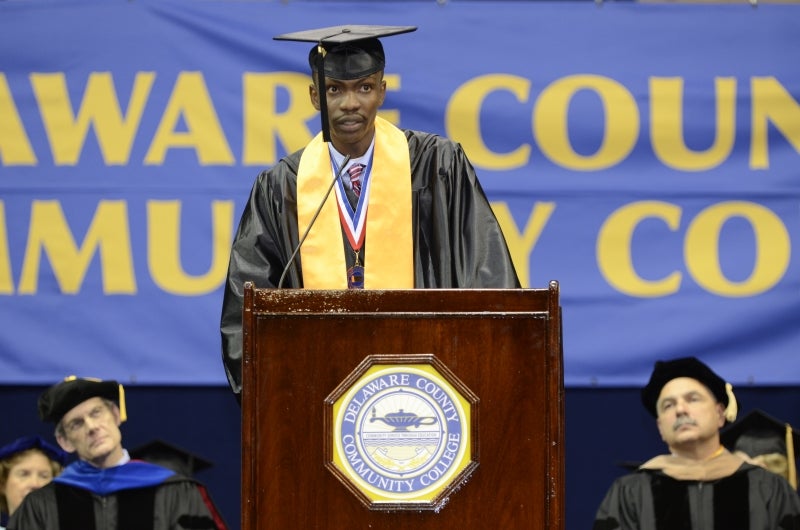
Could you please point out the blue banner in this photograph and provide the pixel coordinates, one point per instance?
(645, 156)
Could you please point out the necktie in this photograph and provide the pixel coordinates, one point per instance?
(355, 177)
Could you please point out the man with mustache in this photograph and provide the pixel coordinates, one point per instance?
(104, 489)
(408, 211)
(699, 485)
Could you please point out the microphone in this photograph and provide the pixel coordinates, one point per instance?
(308, 229)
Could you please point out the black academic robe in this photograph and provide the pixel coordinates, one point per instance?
(457, 240)
(752, 498)
(175, 503)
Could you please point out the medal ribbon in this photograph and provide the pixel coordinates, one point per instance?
(354, 222)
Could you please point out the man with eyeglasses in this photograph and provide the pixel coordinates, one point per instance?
(104, 489)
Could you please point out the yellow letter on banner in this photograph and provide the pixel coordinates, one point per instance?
(614, 253)
(163, 248)
(772, 252)
(666, 124)
(772, 103)
(190, 100)
(521, 245)
(392, 85)
(264, 126)
(15, 147)
(108, 233)
(621, 125)
(462, 120)
(6, 281)
(67, 133)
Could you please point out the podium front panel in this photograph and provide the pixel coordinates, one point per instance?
(504, 345)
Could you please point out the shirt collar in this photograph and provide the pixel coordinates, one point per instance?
(363, 159)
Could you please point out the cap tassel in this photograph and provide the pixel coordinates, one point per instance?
(790, 457)
(123, 413)
(732, 410)
(323, 93)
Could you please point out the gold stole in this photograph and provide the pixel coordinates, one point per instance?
(391, 263)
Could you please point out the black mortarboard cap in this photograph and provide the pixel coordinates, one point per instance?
(344, 52)
(171, 456)
(34, 442)
(666, 371)
(62, 397)
(758, 434)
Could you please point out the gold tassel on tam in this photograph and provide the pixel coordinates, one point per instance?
(123, 413)
(732, 410)
(790, 456)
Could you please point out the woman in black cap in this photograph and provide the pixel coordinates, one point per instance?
(26, 464)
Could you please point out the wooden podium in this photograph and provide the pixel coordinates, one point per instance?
(306, 352)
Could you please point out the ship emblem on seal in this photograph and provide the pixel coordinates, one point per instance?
(402, 434)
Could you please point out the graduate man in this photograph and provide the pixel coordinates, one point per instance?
(699, 484)
(104, 489)
(407, 210)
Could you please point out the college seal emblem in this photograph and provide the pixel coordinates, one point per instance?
(402, 434)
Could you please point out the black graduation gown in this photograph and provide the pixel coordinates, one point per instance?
(177, 502)
(457, 240)
(752, 498)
